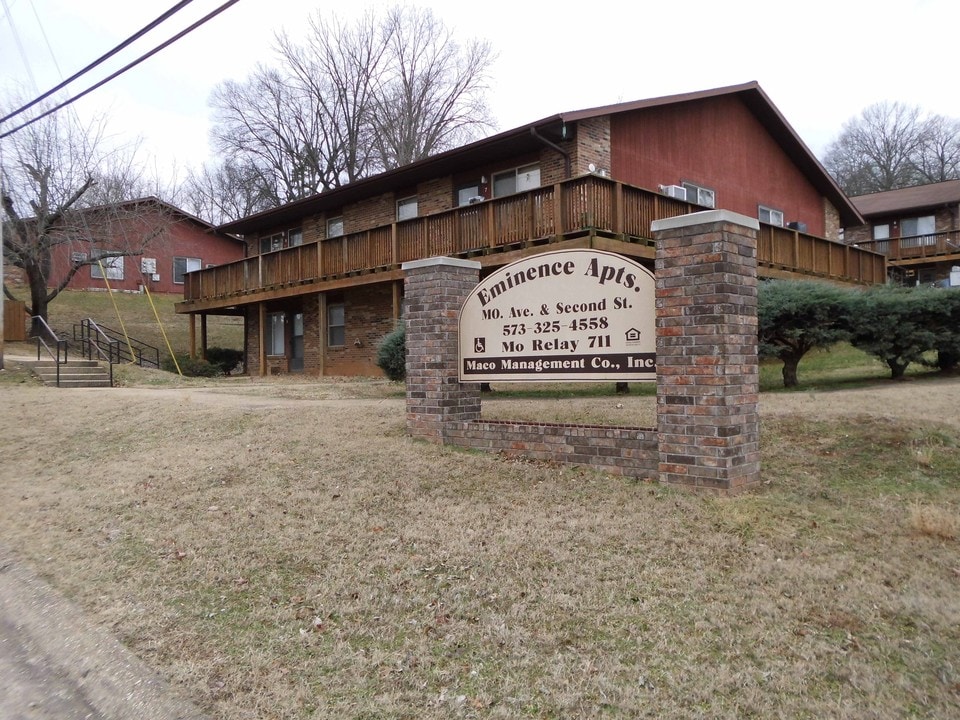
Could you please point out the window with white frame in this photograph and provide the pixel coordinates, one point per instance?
(407, 208)
(183, 265)
(699, 195)
(112, 266)
(280, 240)
(468, 194)
(269, 243)
(276, 333)
(335, 227)
(516, 180)
(882, 234)
(770, 216)
(336, 325)
(918, 231)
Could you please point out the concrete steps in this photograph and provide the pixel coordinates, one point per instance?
(73, 374)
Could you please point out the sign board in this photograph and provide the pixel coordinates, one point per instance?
(581, 315)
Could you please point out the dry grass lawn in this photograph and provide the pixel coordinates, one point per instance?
(283, 550)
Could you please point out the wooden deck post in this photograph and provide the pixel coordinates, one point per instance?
(262, 309)
(193, 336)
(203, 336)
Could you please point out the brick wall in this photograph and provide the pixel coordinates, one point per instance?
(707, 367)
(593, 144)
(436, 399)
(435, 196)
(253, 342)
(707, 434)
(630, 451)
(368, 313)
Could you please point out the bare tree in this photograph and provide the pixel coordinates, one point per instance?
(60, 190)
(352, 100)
(892, 145)
(939, 158)
(432, 96)
(224, 192)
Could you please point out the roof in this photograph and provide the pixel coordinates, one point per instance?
(919, 197)
(168, 208)
(529, 138)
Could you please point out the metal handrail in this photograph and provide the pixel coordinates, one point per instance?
(62, 345)
(92, 334)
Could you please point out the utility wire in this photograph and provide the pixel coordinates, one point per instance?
(16, 37)
(191, 28)
(139, 34)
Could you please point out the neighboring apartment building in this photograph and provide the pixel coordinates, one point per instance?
(166, 243)
(322, 282)
(917, 228)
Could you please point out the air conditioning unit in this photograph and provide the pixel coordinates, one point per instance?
(474, 199)
(674, 191)
(704, 197)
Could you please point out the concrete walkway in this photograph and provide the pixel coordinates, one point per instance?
(56, 665)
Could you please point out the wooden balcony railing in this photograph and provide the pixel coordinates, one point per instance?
(916, 247)
(584, 204)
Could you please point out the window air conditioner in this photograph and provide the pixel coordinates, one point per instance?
(474, 199)
(674, 191)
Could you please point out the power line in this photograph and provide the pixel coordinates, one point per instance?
(136, 36)
(124, 69)
(16, 37)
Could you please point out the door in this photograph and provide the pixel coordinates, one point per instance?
(296, 344)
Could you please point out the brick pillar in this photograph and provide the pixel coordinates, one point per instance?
(434, 291)
(707, 367)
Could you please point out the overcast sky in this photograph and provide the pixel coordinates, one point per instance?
(820, 61)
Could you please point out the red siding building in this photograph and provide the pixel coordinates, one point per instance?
(322, 282)
(166, 243)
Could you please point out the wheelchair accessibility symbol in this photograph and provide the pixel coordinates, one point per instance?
(479, 345)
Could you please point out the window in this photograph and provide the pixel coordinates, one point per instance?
(468, 194)
(336, 330)
(770, 216)
(113, 266)
(407, 208)
(918, 231)
(517, 180)
(335, 227)
(183, 265)
(275, 334)
(699, 195)
(271, 243)
(278, 241)
(882, 233)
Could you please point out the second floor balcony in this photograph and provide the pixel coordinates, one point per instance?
(587, 211)
(915, 249)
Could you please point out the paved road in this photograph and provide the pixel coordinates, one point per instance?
(56, 665)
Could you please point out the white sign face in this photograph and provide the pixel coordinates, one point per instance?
(564, 315)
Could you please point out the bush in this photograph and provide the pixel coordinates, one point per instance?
(392, 354)
(226, 359)
(795, 317)
(191, 367)
(895, 324)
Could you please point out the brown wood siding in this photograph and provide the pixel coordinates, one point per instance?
(719, 144)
